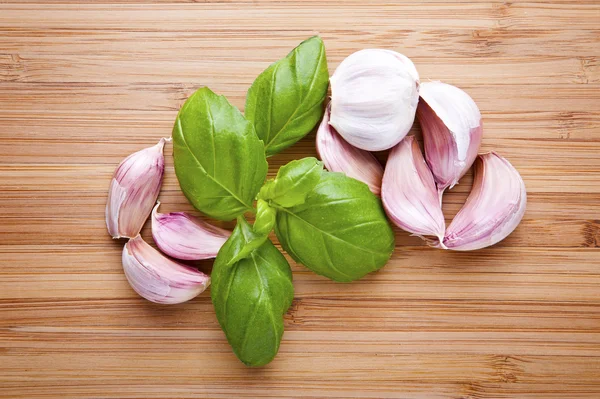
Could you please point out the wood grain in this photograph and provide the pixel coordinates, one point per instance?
(85, 83)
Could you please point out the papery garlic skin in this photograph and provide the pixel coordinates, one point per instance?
(133, 191)
(159, 279)
(374, 97)
(183, 236)
(452, 131)
(409, 194)
(493, 209)
(339, 156)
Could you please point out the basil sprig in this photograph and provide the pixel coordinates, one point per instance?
(329, 222)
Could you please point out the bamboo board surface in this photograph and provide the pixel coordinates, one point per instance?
(85, 83)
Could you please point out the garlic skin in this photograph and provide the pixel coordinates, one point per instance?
(493, 209)
(374, 97)
(339, 156)
(159, 279)
(452, 131)
(133, 191)
(409, 194)
(183, 236)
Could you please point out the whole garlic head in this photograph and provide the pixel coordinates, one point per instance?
(374, 97)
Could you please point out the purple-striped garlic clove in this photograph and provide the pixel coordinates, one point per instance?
(340, 156)
(159, 279)
(493, 209)
(409, 193)
(183, 236)
(374, 96)
(452, 131)
(133, 191)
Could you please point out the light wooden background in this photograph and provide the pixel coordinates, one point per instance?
(85, 83)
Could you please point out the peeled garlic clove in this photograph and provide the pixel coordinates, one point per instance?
(409, 194)
(159, 279)
(339, 156)
(133, 191)
(452, 130)
(374, 96)
(183, 236)
(494, 208)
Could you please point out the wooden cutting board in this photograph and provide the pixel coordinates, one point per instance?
(85, 83)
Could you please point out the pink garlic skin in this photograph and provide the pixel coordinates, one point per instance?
(159, 279)
(183, 236)
(133, 191)
(452, 131)
(493, 209)
(409, 193)
(340, 156)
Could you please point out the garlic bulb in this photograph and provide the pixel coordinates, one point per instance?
(339, 156)
(452, 130)
(374, 96)
(409, 194)
(157, 278)
(494, 208)
(187, 237)
(133, 191)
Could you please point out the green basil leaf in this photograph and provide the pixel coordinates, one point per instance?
(285, 102)
(340, 232)
(251, 296)
(219, 161)
(254, 241)
(293, 183)
(265, 218)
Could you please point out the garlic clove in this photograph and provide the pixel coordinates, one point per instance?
(159, 279)
(133, 191)
(409, 194)
(493, 209)
(339, 156)
(452, 131)
(183, 236)
(374, 97)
